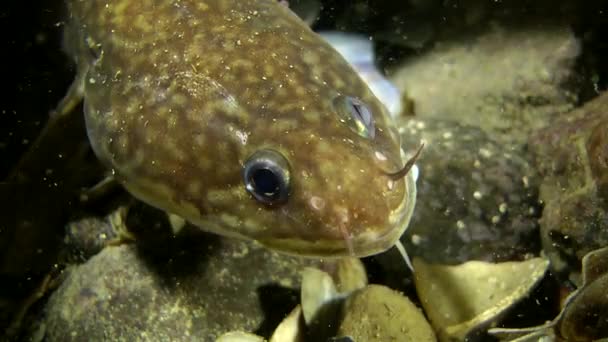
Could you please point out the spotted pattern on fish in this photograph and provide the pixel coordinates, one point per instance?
(179, 93)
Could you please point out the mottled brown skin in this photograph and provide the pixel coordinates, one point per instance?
(178, 94)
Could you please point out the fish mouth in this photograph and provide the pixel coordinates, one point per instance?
(366, 244)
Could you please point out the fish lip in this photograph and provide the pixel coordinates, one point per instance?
(364, 245)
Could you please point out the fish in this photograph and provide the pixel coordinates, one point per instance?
(237, 117)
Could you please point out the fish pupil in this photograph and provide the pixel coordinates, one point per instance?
(360, 113)
(356, 115)
(266, 177)
(265, 182)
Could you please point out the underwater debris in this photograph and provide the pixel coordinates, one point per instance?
(363, 313)
(584, 316)
(461, 299)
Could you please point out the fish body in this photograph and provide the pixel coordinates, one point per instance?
(237, 117)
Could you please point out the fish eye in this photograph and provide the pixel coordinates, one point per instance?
(266, 176)
(356, 114)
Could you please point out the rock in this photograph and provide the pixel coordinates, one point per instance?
(506, 81)
(202, 290)
(477, 197)
(377, 313)
(572, 157)
(88, 236)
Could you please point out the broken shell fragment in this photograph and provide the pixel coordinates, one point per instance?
(239, 336)
(488, 290)
(585, 318)
(585, 313)
(350, 275)
(321, 303)
(291, 329)
(318, 289)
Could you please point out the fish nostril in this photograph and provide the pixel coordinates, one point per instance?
(380, 156)
(356, 114)
(317, 203)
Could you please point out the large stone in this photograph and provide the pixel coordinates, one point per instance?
(507, 81)
(572, 156)
(204, 289)
(477, 197)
